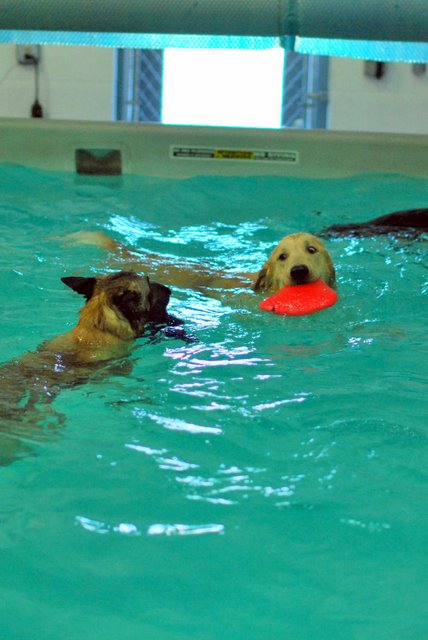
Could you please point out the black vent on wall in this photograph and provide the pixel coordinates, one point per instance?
(98, 162)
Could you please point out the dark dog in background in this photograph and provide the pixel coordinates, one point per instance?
(119, 308)
(411, 223)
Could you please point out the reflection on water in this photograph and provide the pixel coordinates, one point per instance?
(242, 471)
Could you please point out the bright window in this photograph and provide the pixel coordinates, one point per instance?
(223, 87)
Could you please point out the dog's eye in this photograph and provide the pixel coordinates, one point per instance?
(126, 299)
(312, 249)
(282, 256)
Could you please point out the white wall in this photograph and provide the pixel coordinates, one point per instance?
(76, 83)
(398, 102)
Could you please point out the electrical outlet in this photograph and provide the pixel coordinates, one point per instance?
(28, 53)
(374, 69)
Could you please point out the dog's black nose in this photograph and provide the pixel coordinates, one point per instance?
(299, 273)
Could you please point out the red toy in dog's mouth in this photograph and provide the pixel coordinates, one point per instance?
(300, 299)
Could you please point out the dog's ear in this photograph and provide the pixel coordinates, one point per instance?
(84, 286)
(329, 275)
(261, 282)
(159, 298)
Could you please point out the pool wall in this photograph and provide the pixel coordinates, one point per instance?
(184, 151)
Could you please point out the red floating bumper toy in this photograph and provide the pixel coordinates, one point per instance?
(300, 299)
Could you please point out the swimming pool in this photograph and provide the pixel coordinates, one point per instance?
(266, 480)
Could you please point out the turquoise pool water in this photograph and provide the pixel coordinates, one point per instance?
(266, 481)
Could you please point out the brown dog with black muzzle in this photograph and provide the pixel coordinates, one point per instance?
(119, 307)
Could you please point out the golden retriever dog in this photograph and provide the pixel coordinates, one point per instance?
(118, 309)
(298, 258)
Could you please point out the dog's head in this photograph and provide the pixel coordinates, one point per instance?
(299, 258)
(121, 303)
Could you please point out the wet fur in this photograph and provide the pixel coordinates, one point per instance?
(271, 277)
(298, 258)
(411, 223)
(119, 307)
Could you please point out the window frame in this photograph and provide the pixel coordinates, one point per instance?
(139, 88)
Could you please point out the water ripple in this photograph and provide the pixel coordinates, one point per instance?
(97, 526)
(175, 424)
(372, 527)
(184, 529)
(278, 403)
(129, 529)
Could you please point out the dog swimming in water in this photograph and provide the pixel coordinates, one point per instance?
(298, 258)
(119, 308)
(410, 223)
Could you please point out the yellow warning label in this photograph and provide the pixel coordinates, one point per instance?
(233, 154)
(212, 153)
